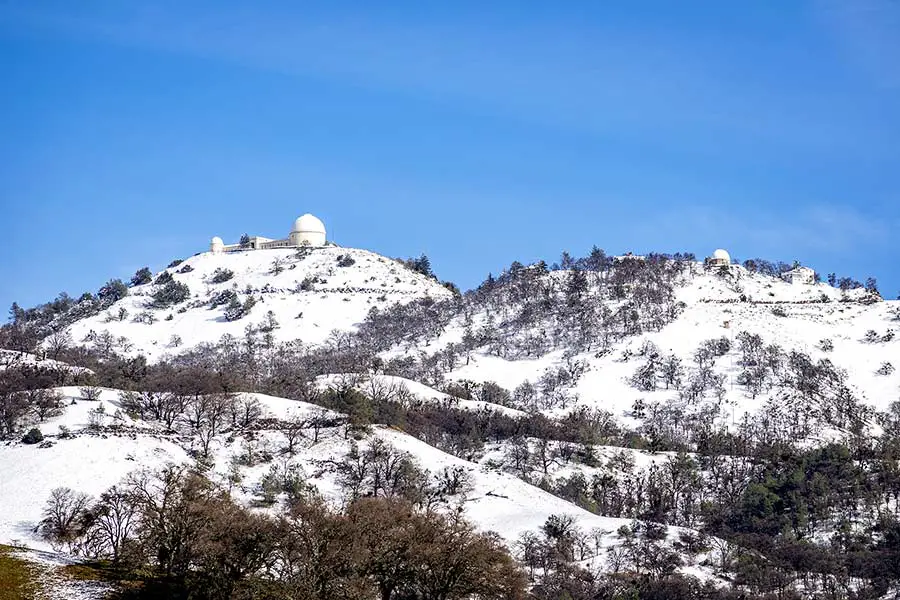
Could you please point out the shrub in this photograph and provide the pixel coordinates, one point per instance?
(277, 267)
(221, 275)
(164, 278)
(779, 312)
(345, 260)
(886, 368)
(33, 436)
(222, 298)
(236, 310)
(141, 277)
(175, 263)
(145, 317)
(826, 345)
(112, 292)
(186, 269)
(171, 293)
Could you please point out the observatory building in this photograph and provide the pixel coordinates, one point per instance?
(307, 230)
(800, 275)
(720, 258)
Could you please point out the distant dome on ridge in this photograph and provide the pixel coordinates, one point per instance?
(720, 257)
(307, 230)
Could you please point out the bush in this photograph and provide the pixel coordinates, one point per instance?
(164, 278)
(236, 310)
(222, 298)
(141, 277)
(175, 263)
(886, 368)
(171, 293)
(345, 260)
(221, 275)
(112, 292)
(779, 312)
(33, 436)
(186, 269)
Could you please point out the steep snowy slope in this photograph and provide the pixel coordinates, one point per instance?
(311, 292)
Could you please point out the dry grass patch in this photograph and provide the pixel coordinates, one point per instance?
(18, 577)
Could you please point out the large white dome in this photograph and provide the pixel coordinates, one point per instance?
(308, 230)
(308, 224)
(722, 255)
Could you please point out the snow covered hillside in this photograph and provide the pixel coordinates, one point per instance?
(310, 292)
(94, 445)
(848, 328)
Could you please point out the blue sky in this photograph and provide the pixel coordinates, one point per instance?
(480, 135)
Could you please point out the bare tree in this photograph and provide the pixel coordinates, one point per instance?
(293, 431)
(63, 516)
(90, 392)
(57, 343)
(114, 518)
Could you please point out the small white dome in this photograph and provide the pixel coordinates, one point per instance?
(308, 224)
(721, 255)
(217, 241)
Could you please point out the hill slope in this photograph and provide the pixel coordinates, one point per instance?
(310, 293)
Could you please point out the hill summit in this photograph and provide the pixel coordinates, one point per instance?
(286, 293)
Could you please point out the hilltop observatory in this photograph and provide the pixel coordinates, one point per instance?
(308, 230)
(720, 258)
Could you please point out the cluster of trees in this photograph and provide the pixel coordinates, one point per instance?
(188, 539)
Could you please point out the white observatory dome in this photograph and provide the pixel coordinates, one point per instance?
(216, 244)
(721, 257)
(308, 230)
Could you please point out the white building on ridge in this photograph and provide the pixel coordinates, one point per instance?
(800, 275)
(720, 258)
(307, 230)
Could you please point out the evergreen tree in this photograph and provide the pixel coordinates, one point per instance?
(142, 276)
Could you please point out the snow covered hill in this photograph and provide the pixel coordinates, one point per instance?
(310, 292)
(584, 393)
(851, 329)
(94, 445)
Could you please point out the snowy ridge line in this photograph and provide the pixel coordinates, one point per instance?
(863, 301)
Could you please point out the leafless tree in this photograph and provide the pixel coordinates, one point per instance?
(63, 516)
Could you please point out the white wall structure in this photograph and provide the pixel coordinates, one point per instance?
(307, 230)
(720, 258)
(800, 275)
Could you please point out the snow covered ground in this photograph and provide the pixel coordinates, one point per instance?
(793, 316)
(333, 298)
(90, 460)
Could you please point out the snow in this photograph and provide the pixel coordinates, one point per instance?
(712, 309)
(340, 298)
(91, 461)
(713, 306)
(88, 463)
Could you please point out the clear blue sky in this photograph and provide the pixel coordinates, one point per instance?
(492, 132)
